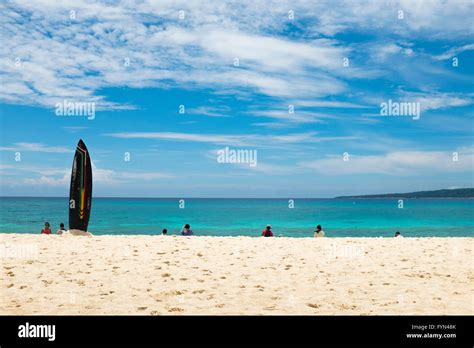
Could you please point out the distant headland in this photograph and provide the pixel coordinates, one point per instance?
(445, 193)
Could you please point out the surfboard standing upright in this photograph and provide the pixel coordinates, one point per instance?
(80, 194)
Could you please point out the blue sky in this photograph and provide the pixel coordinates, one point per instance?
(139, 61)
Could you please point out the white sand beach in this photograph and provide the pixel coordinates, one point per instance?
(173, 275)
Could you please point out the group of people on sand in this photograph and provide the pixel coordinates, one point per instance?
(187, 231)
(267, 232)
(318, 232)
(47, 229)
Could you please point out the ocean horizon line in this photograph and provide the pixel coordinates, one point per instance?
(178, 197)
(243, 198)
(430, 194)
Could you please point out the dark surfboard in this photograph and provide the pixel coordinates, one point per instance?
(80, 194)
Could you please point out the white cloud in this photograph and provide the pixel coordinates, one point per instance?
(256, 140)
(454, 51)
(45, 176)
(44, 180)
(200, 138)
(274, 54)
(422, 19)
(82, 55)
(210, 111)
(298, 117)
(35, 147)
(395, 163)
(384, 51)
(428, 100)
(434, 101)
(328, 104)
(64, 58)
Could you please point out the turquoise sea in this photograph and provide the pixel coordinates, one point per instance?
(233, 217)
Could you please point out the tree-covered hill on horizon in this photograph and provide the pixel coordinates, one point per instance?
(445, 193)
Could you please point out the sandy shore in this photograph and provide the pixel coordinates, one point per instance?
(161, 275)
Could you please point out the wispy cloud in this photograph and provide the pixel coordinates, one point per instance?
(428, 100)
(255, 140)
(385, 50)
(297, 117)
(210, 111)
(54, 56)
(434, 101)
(35, 147)
(45, 180)
(31, 175)
(115, 46)
(328, 104)
(454, 51)
(395, 163)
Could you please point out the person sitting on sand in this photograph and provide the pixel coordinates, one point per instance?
(267, 232)
(46, 229)
(318, 232)
(61, 229)
(164, 232)
(398, 234)
(186, 231)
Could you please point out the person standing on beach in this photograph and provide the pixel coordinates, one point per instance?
(46, 229)
(267, 232)
(186, 230)
(318, 232)
(61, 229)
